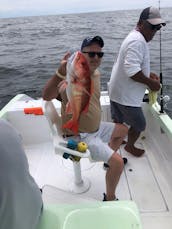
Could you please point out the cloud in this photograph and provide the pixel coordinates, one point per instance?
(38, 7)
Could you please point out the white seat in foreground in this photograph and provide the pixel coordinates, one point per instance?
(97, 215)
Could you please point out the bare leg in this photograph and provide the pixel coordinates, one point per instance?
(113, 175)
(132, 138)
(119, 133)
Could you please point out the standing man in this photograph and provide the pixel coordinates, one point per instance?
(91, 130)
(131, 76)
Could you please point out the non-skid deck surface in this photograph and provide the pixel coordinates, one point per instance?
(141, 181)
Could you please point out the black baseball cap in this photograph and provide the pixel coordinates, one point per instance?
(89, 40)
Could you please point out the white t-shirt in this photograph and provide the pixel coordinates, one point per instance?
(133, 57)
(20, 197)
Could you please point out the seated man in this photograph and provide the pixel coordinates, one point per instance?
(20, 197)
(91, 130)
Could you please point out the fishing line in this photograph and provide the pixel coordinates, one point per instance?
(161, 77)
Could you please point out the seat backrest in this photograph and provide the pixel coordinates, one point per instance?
(53, 118)
(55, 124)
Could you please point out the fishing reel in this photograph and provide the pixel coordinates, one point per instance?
(167, 105)
(164, 101)
(165, 98)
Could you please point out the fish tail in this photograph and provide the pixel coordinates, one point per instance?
(72, 125)
(62, 86)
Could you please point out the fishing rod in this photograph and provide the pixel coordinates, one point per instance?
(161, 77)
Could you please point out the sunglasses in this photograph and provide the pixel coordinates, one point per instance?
(93, 54)
(155, 27)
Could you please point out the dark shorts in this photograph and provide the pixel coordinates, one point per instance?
(132, 116)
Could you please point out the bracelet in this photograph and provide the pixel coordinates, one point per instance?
(60, 75)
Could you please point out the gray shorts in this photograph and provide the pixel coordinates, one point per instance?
(98, 142)
(132, 116)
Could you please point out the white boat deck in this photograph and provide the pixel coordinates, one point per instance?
(146, 180)
(142, 181)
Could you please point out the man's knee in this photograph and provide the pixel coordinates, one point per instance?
(121, 129)
(116, 161)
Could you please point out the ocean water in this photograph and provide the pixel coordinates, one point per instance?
(32, 47)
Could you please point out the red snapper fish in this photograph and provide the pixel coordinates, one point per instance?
(79, 89)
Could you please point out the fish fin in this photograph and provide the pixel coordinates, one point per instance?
(85, 110)
(86, 92)
(62, 86)
(68, 108)
(80, 87)
(73, 126)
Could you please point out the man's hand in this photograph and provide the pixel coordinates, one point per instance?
(154, 82)
(62, 67)
(154, 76)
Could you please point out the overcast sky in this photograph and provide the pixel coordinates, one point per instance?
(17, 8)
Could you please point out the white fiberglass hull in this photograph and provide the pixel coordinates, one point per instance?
(146, 180)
